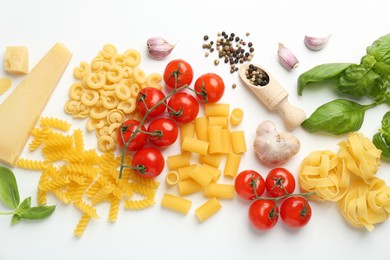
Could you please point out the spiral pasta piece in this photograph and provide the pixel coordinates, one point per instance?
(324, 173)
(361, 156)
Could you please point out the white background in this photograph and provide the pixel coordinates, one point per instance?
(85, 26)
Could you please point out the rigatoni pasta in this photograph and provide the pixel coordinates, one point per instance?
(175, 203)
(177, 161)
(219, 191)
(195, 145)
(208, 209)
(232, 163)
(217, 109)
(238, 141)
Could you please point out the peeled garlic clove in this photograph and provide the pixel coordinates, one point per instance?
(286, 58)
(159, 48)
(316, 43)
(274, 148)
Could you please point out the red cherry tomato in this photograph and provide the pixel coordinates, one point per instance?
(162, 132)
(183, 107)
(209, 87)
(126, 131)
(178, 73)
(263, 214)
(279, 181)
(247, 183)
(295, 211)
(148, 162)
(149, 97)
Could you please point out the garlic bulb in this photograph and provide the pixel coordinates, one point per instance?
(272, 147)
(159, 48)
(316, 43)
(286, 58)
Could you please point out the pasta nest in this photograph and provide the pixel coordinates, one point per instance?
(326, 174)
(366, 204)
(361, 156)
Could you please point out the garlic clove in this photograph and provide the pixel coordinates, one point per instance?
(274, 148)
(316, 43)
(286, 58)
(159, 48)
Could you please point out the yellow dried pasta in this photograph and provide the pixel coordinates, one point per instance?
(83, 178)
(110, 82)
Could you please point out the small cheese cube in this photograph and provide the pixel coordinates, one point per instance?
(16, 59)
(5, 84)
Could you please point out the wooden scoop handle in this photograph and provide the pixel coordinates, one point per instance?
(292, 116)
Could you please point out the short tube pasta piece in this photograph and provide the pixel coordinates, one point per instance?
(217, 109)
(238, 141)
(236, 116)
(201, 176)
(208, 209)
(232, 164)
(177, 161)
(211, 159)
(214, 172)
(218, 121)
(215, 139)
(184, 172)
(226, 141)
(220, 191)
(172, 178)
(186, 130)
(194, 145)
(188, 186)
(201, 124)
(176, 203)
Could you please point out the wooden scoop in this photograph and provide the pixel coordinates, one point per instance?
(275, 98)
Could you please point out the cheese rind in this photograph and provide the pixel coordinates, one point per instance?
(20, 112)
(16, 59)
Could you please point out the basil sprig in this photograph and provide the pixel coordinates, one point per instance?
(370, 78)
(382, 138)
(9, 195)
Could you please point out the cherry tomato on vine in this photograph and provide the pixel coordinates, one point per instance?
(148, 162)
(183, 107)
(295, 211)
(247, 183)
(126, 131)
(209, 87)
(178, 73)
(162, 132)
(263, 214)
(279, 181)
(149, 97)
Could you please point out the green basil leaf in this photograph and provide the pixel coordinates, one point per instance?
(362, 80)
(38, 212)
(339, 116)
(321, 73)
(9, 193)
(380, 49)
(24, 206)
(381, 144)
(15, 219)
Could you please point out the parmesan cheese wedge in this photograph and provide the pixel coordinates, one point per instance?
(20, 112)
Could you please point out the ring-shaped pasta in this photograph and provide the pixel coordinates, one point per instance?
(127, 72)
(110, 100)
(76, 90)
(133, 58)
(134, 89)
(117, 59)
(102, 131)
(122, 91)
(127, 106)
(114, 73)
(108, 51)
(82, 70)
(114, 133)
(94, 123)
(72, 107)
(98, 112)
(84, 111)
(115, 116)
(113, 128)
(96, 80)
(139, 76)
(153, 79)
(97, 64)
(106, 143)
(109, 87)
(89, 97)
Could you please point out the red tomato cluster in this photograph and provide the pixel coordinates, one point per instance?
(162, 131)
(264, 212)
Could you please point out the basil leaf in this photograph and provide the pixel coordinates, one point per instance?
(321, 73)
(9, 193)
(24, 206)
(381, 144)
(339, 116)
(380, 49)
(362, 79)
(15, 219)
(38, 212)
